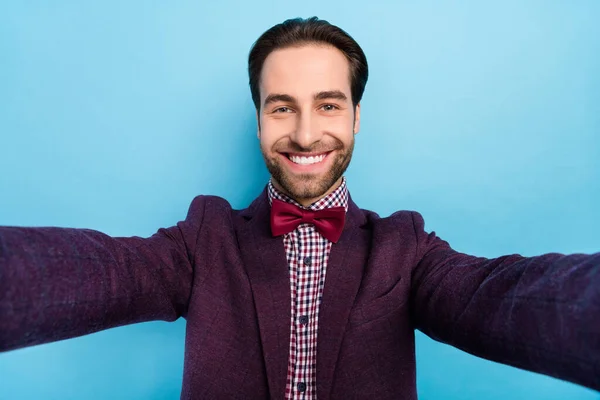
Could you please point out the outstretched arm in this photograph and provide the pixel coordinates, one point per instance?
(58, 283)
(539, 313)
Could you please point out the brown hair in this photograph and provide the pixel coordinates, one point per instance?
(298, 31)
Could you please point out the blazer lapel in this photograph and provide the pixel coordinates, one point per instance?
(266, 265)
(344, 273)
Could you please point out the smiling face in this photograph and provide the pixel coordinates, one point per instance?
(306, 120)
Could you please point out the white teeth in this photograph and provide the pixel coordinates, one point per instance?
(307, 160)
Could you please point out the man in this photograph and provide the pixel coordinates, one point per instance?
(303, 295)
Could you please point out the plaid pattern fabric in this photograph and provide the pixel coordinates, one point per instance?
(307, 253)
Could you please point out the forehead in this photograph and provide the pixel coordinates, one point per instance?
(302, 71)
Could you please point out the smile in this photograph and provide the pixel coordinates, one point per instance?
(307, 160)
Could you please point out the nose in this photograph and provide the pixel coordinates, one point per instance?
(307, 131)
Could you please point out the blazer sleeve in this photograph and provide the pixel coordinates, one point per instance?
(59, 283)
(539, 313)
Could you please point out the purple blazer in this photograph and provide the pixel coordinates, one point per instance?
(222, 271)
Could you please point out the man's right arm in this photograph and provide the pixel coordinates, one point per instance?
(59, 283)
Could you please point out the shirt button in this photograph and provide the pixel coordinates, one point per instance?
(303, 319)
(302, 387)
(307, 260)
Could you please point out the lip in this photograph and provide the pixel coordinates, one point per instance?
(316, 167)
(307, 154)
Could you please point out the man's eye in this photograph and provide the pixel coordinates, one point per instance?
(282, 110)
(329, 107)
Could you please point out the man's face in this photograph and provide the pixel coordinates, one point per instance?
(306, 120)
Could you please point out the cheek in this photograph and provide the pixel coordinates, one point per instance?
(273, 130)
(281, 125)
(342, 128)
(343, 124)
(267, 138)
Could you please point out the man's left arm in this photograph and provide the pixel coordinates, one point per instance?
(537, 313)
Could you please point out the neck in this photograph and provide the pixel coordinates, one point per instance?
(305, 202)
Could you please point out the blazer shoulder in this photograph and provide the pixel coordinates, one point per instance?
(412, 223)
(206, 205)
(207, 213)
(403, 222)
(405, 229)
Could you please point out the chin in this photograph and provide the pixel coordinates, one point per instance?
(306, 187)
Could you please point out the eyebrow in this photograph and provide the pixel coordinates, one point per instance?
(331, 94)
(324, 95)
(277, 97)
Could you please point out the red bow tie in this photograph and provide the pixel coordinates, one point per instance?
(286, 217)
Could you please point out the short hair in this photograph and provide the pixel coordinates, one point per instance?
(298, 32)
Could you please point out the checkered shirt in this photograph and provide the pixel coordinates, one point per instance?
(307, 253)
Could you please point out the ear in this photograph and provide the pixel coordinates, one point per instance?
(357, 119)
(258, 124)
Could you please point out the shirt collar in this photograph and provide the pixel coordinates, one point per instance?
(337, 198)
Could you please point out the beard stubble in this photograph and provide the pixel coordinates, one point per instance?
(310, 186)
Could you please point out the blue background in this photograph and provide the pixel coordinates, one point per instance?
(485, 117)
